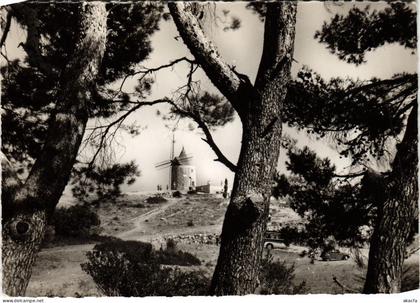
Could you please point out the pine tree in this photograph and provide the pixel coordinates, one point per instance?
(364, 118)
(72, 52)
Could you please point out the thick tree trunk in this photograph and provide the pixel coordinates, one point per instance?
(395, 218)
(21, 238)
(239, 261)
(259, 107)
(25, 208)
(238, 265)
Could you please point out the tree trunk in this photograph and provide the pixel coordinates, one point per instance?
(395, 217)
(241, 249)
(259, 107)
(25, 208)
(238, 265)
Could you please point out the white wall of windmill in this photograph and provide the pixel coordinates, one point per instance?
(184, 177)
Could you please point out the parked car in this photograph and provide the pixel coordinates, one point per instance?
(272, 240)
(334, 255)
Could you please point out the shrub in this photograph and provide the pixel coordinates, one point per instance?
(176, 194)
(130, 268)
(277, 278)
(115, 274)
(292, 235)
(358, 257)
(181, 258)
(181, 283)
(155, 200)
(102, 183)
(134, 250)
(137, 205)
(170, 244)
(76, 220)
(225, 189)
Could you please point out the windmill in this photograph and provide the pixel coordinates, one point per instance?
(182, 175)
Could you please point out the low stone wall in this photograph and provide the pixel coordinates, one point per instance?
(211, 239)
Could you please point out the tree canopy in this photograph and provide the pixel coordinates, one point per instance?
(30, 84)
(365, 120)
(352, 35)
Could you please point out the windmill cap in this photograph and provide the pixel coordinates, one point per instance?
(183, 154)
(183, 158)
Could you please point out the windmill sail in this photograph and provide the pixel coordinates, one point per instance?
(163, 163)
(182, 174)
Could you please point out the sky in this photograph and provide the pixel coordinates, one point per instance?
(241, 48)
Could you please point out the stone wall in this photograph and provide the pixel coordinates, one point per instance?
(212, 239)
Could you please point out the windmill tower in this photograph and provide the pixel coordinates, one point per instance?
(182, 175)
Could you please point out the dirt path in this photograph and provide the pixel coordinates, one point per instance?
(142, 231)
(68, 248)
(140, 228)
(58, 272)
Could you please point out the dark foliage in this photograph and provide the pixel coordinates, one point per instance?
(30, 86)
(129, 268)
(183, 283)
(102, 183)
(225, 189)
(258, 8)
(176, 194)
(155, 200)
(211, 109)
(292, 234)
(347, 36)
(171, 244)
(171, 257)
(235, 23)
(360, 117)
(332, 208)
(138, 251)
(74, 221)
(306, 164)
(276, 278)
(136, 205)
(363, 118)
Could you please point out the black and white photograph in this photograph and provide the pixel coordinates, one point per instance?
(182, 148)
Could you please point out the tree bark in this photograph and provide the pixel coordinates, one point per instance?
(259, 107)
(25, 207)
(396, 216)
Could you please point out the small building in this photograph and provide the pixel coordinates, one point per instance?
(210, 189)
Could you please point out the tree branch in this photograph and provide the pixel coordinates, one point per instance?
(277, 52)
(148, 71)
(395, 81)
(349, 176)
(9, 182)
(51, 170)
(32, 47)
(405, 108)
(206, 54)
(6, 28)
(118, 122)
(209, 138)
